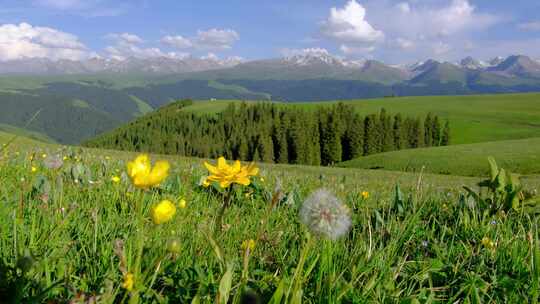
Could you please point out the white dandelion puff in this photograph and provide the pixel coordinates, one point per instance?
(324, 214)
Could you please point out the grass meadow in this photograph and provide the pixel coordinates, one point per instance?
(75, 229)
(520, 156)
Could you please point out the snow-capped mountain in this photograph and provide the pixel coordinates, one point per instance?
(156, 65)
(472, 64)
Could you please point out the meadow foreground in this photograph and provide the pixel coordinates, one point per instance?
(81, 226)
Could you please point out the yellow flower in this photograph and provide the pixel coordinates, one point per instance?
(143, 175)
(115, 179)
(488, 243)
(44, 155)
(248, 244)
(128, 281)
(34, 169)
(365, 194)
(182, 204)
(226, 175)
(163, 212)
(65, 158)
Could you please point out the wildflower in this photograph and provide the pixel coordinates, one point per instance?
(44, 155)
(163, 212)
(128, 281)
(115, 179)
(143, 175)
(248, 244)
(173, 246)
(34, 169)
(65, 158)
(226, 175)
(182, 204)
(365, 194)
(488, 243)
(324, 214)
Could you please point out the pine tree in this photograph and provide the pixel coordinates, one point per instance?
(436, 131)
(428, 131)
(353, 147)
(398, 133)
(371, 137)
(445, 139)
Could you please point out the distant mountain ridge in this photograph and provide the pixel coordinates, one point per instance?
(157, 65)
(295, 67)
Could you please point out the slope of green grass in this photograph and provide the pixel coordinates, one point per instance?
(521, 156)
(72, 234)
(473, 119)
(141, 105)
(8, 131)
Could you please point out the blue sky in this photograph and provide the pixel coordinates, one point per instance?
(394, 31)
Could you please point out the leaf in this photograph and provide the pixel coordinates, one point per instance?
(225, 285)
(494, 170)
(278, 294)
(501, 180)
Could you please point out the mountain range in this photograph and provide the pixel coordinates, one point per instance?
(80, 99)
(297, 67)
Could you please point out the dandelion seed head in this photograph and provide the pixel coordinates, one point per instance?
(324, 214)
(53, 162)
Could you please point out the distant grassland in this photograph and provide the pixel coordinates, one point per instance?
(7, 132)
(520, 156)
(473, 119)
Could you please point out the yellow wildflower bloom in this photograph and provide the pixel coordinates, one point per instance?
(365, 194)
(128, 281)
(163, 212)
(44, 155)
(34, 169)
(143, 175)
(488, 243)
(182, 204)
(115, 179)
(248, 244)
(226, 175)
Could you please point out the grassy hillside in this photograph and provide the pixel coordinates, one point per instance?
(7, 130)
(516, 155)
(74, 233)
(478, 118)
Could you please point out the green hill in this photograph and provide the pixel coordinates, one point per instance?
(467, 160)
(475, 118)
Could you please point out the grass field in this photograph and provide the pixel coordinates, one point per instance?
(473, 119)
(521, 156)
(72, 233)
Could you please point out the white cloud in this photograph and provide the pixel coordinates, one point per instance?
(307, 51)
(27, 41)
(209, 40)
(349, 25)
(441, 48)
(404, 7)
(356, 50)
(125, 38)
(177, 42)
(530, 26)
(404, 44)
(210, 56)
(216, 39)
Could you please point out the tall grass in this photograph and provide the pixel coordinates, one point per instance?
(70, 234)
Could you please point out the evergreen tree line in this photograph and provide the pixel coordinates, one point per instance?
(276, 134)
